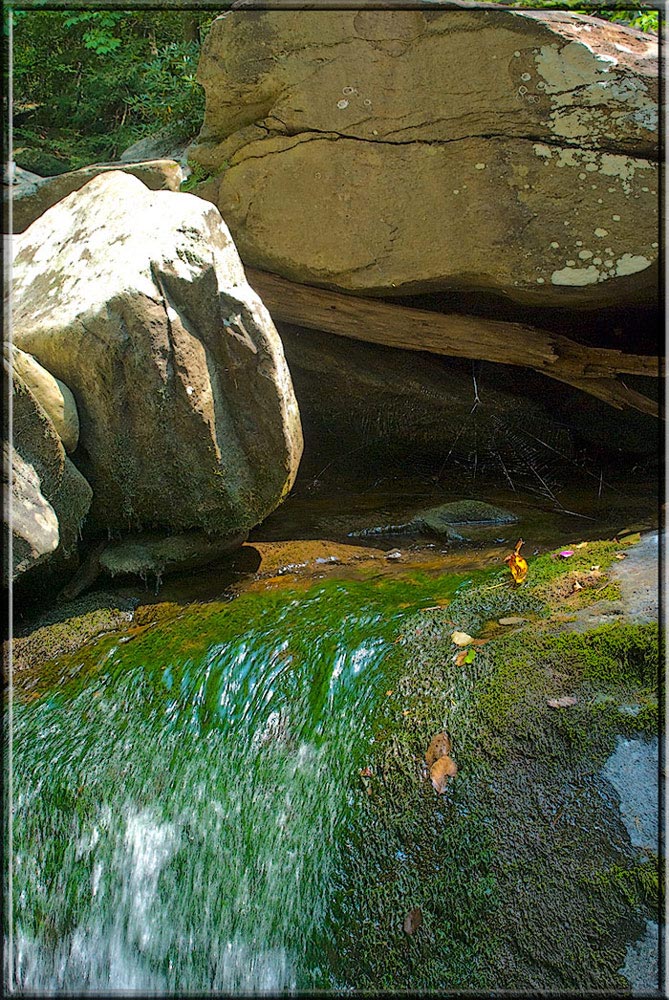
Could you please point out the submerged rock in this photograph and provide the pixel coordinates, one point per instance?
(346, 151)
(137, 300)
(440, 520)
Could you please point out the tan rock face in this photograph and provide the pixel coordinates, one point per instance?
(53, 395)
(407, 151)
(137, 300)
(30, 199)
(49, 497)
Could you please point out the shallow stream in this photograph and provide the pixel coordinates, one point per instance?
(181, 789)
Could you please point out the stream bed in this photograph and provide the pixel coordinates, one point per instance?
(192, 791)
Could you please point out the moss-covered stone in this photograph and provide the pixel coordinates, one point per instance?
(523, 870)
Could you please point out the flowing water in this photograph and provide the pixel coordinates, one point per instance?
(180, 790)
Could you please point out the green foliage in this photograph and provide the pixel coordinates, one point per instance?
(644, 17)
(89, 83)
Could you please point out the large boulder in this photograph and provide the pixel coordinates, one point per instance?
(390, 152)
(48, 496)
(32, 196)
(137, 300)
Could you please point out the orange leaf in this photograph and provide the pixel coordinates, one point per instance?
(441, 772)
(440, 746)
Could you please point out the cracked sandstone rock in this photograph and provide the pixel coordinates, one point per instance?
(388, 152)
(32, 195)
(49, 497)
(137, 300)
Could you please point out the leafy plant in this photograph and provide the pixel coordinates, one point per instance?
(89, 83)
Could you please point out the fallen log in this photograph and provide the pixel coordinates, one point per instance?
(591, 369)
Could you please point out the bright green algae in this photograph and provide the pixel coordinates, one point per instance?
(277, 868)
(180, 791)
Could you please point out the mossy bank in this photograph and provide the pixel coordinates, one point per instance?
(523, 871)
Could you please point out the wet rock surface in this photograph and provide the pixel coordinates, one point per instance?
(442, 520)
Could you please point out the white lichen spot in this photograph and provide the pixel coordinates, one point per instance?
(631, 263)
(516, 54)
(190, 390)
(568, 158)
(569, 67)
(654, 246)
(646, 117)
(600, 201)
(367, 102)
(610, 190)
(581, 177)
(609, 251)
(525, 77)
(577, 277)
(342, 104)
(540, 281)
(591, 167)
(601, 233)
(456, 191)
(479, 166)
(616, 218)
(579, 243)
(349, 90)
(585, 254)
(596, 260)
(570, 263)
(555, 246)
(608, 263)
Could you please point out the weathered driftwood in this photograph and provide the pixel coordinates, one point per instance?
(592, 369)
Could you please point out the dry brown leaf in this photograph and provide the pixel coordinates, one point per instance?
(577, 585)
(366, 772)
(440, 746)
(565, 702)
(388, 693)
(461, 638)
(512, 620)
(412, 921)
(479, 642)
(621, 555)
(441, 773)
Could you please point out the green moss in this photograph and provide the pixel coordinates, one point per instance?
(638, 883)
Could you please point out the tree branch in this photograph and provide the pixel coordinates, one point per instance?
(591, 369)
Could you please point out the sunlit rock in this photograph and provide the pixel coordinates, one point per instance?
(392, 152)
(138, 302)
